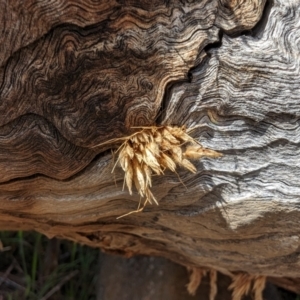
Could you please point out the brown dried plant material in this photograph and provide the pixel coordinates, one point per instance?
(153, 150)
(242, 283)
(213, 284)
(196, 275)
(258, 287)
(240, 286)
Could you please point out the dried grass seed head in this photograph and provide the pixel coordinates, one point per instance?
(243, 283)
(152, 150)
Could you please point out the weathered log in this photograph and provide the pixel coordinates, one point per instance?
(75, 74)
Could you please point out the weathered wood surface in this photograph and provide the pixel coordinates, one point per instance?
(78, 73)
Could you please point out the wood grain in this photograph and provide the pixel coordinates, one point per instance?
(85, 72)
(93, 70)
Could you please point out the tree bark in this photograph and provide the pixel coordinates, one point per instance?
(75, 74)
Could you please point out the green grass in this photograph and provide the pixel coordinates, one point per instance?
(33, 267)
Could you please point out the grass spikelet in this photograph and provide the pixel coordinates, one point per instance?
(196, 275)
(148, 173)
(129, 151)
(213, 284)
(167, 162)
(152, 150)
(140, 178)
(196, 152)
(242, 284)
(169, 136)
(188, 165)
(176, 154)
(129, 178)
(166, 145)
(258, 287)
(151, 161)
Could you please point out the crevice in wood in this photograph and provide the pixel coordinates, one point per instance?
(259, 27)
(95, 160)
(257, 30)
